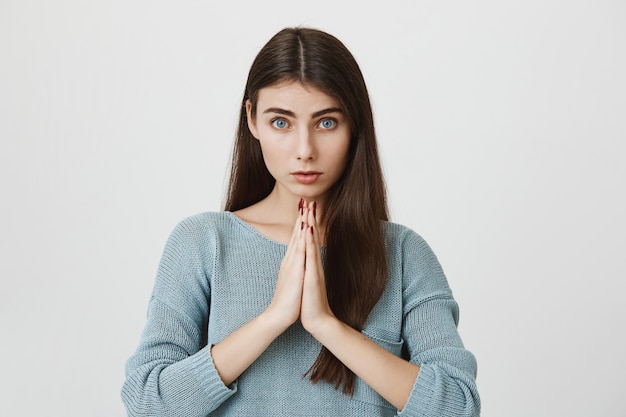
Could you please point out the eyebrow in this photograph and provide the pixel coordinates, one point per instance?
(289, 113)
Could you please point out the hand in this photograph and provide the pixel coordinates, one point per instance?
(235, 353)
(315, 310)
(285, 306)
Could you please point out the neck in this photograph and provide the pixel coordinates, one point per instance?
(282, 207)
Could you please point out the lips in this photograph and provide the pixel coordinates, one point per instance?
(306, 177)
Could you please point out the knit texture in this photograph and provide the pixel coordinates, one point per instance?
(217, 273)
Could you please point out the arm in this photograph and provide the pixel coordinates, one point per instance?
(446, 384)
(240, 349)
(390, 376)
(438, 379)
(171, 372)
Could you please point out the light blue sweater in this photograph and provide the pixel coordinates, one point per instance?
(217, 273)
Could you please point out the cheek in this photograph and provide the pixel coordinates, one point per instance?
(344, 148)
(272, 155)
(344, 162)
(340, 156)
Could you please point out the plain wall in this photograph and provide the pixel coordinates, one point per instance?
(501, 127)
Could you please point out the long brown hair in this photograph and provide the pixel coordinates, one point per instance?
(355, 265)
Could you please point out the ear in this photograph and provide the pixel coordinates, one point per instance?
(251, 121)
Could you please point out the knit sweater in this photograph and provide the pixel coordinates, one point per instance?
(217, 273)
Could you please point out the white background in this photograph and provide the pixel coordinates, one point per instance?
(501, 126)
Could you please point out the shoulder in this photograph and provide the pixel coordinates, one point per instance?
(203, 229)
(411, 257)
(202, 221)
(398, 236)
(206, 222)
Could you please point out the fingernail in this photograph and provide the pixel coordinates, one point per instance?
(300, 204)
(314, 208)
(301, 225)
(311, 229)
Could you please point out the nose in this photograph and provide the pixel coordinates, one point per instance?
(305, 148)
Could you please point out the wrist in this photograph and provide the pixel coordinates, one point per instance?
(323, 328)
(275, 320)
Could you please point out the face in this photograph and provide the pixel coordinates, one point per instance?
(304, 137)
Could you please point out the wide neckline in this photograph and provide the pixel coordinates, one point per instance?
(253, 229)
(257, 233)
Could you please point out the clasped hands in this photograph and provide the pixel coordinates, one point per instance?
(300, 287)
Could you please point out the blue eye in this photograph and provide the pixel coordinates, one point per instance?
(279, 123)
(328, 124)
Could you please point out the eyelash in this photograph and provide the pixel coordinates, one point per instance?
(334, 122)
(280, 119)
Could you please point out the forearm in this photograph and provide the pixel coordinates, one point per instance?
(168, 375)
(392, 377)
(240, 349)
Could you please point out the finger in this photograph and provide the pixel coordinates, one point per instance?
(296, 232)
(315, 234)
(312, 248)
(312, 211)
(300, 242)
(312, 221)
(304, 226)
(300, 221)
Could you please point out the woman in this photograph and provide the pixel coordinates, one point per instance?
(301, 298)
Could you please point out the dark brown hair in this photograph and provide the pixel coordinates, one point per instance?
(355, 265)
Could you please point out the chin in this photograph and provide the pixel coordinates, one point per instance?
(310, 195)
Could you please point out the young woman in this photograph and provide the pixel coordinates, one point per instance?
(301, 299)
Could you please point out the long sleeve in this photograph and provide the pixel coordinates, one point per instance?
(446, 383)
(217, 273)
(171, 372)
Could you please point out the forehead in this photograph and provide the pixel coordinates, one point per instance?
(295, 96)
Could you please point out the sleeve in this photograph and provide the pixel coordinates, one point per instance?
(172, 372)
(446, 383)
